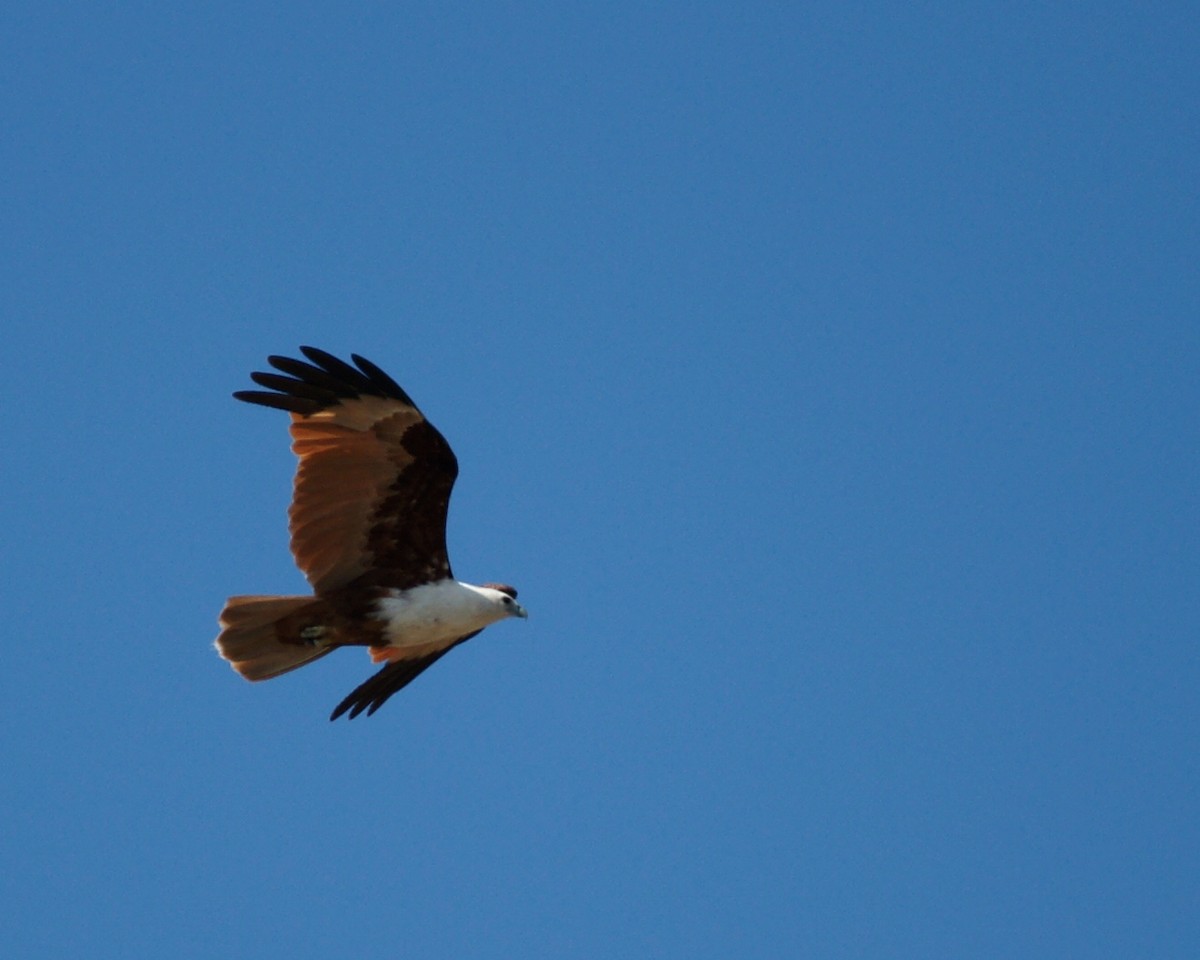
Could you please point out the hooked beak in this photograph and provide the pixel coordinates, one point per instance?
(520, 611)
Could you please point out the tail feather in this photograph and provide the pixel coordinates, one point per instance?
(262, 637)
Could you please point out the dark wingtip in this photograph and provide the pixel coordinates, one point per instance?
(278, 401)
(342, 370)
(353, 705)
(321, 382)
(359, 699)
(354, 708)
(385, 384)
(375, 691)
(313, 376)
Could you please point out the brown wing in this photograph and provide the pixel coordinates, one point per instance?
(374, 480)
(374, 692)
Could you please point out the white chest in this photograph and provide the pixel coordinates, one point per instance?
(435, 612)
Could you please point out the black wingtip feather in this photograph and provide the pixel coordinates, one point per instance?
(294, 388)
(312, 375)
(375, 691)
(382, 381)
(342, 370)
(279, 401)
(310, 387)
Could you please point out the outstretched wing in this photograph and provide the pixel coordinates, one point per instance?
(372, 693)
(374, 480)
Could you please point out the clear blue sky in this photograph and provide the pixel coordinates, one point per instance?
(826, 377)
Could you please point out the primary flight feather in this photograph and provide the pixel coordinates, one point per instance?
(368, 526)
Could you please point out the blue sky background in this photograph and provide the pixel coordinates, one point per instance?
(825, 376)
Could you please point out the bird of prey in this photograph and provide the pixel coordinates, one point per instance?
(368, 529)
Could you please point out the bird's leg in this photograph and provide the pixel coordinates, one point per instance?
(313, 635)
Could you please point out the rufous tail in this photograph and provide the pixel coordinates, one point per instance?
(263, 637)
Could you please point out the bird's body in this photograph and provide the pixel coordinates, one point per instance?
(435, 613)
(368, 529)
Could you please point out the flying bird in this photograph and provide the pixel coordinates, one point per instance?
(368, 529)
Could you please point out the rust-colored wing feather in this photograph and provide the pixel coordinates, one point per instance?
(374, 480)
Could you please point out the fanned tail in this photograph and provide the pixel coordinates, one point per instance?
(263, 637)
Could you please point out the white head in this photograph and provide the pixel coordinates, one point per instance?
(505, 597)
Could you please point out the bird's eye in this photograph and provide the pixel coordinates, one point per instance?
(508, 601)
